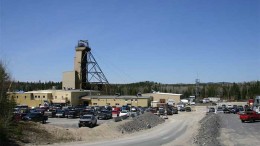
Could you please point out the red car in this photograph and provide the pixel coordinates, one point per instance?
(115, 113)
(249, 116)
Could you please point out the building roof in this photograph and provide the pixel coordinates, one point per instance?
(164, 93)
(52, 91)
(115, 97)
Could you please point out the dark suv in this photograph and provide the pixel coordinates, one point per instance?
(72, 114)
(87, 121)
(105, 114)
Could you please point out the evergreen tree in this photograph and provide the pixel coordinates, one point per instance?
(6, 104)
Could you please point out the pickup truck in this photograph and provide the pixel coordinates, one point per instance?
(36, 117)
(249, 116)
(50, 113)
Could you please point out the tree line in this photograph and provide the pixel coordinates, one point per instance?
(228, 91)
(31, 86)
(224, 90)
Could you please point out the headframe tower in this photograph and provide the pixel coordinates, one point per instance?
(87, 70)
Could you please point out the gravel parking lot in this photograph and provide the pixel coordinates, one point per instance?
(70, 123)
(185, 128)
(227, 130)
(235, 133)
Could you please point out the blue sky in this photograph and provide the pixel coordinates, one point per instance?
(169, 41)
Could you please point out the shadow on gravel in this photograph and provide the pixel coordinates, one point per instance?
(252, 122)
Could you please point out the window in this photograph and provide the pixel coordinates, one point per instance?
(38, 96)
(16, 96)
(108, 103)
(94, 103)
(35, 96)
(43, 97)
(24, 97)
(117, 104)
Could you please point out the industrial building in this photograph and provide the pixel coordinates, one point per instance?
(77, 97)
(118, 101)
(41, 97)
(164, 98)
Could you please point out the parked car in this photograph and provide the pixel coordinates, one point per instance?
(219, 110)
(249, 116)
(226, 111)
(205, 100)
(123, 113)
(115, 113)
(37, 110)
(181, 109)
(161, 111)
(211, 110)
(73, 114)
(192, 103)
(60, 114)
(104, 114)
(88, 112)
(50, 113)
(181, 106)
(174, 110)
(36, 117)
(229, 106)
(87, 121)
(234, 110)
(188, 109)
(240, 108)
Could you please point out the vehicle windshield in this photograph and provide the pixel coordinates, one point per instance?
(219, 109)
(32, 114)
(104, 111)
(60, 111)
(86, 117)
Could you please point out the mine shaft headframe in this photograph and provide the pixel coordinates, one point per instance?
(84, 43)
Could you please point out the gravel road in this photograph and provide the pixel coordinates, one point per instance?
(177, 130)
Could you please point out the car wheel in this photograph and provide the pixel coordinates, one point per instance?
(242, 121)
(251, 120)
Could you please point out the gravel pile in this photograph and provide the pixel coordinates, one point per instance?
(141, 122)
(208, 131)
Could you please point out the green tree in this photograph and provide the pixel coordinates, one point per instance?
(6, 104)
(235, 92)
